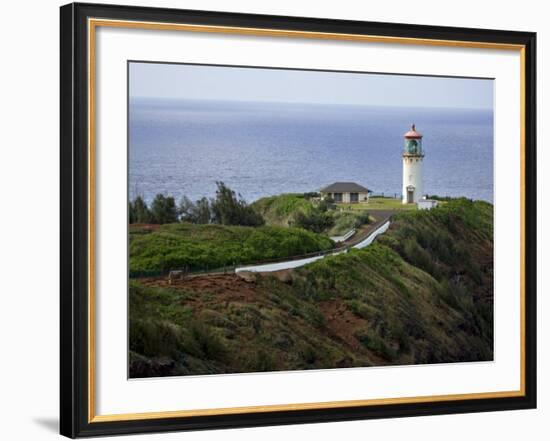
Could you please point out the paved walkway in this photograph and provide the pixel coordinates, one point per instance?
(359, 241)
(364, 232)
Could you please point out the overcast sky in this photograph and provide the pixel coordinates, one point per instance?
(252, 84)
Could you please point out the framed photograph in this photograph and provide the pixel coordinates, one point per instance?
(274, 220)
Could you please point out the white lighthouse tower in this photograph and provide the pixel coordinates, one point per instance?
(413, 156)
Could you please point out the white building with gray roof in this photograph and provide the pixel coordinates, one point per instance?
(346, 192)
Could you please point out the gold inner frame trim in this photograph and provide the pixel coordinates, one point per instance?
(92, 25)
(300, 406)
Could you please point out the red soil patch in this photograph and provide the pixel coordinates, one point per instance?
(226, 287)
(342, 323)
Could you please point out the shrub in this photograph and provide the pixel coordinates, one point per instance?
(361, 218)
(315, 220)
(261, 360)
(419, 257)
(207, 341)
(311, 195)
(376, 344)
(359, 308)
(154, 338)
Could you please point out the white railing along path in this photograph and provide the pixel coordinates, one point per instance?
(291, 264)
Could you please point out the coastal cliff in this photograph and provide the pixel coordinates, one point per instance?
(422, 293)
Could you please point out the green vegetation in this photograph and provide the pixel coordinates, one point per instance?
(139, 212)
(163, 211)
(422, 293)
(302, 210)
(318, 219)
(297, 210)
(225, 209)
(439, 198)
(346, 220)
(198, 212)
(380, 203)
(200, 247)
(280, 210)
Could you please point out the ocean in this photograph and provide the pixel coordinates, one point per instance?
(182, 147)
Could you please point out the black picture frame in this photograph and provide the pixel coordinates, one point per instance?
(74, 325)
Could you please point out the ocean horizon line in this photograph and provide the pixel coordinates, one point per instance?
(306, 103)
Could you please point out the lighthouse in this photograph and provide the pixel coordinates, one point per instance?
(413, 156)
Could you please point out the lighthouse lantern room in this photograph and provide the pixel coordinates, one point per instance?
(413, 155)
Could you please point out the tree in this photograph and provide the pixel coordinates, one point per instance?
(228, 209)
(186, 210)
(139, 212)
(202, 212)
(163, 210)
(196, 213)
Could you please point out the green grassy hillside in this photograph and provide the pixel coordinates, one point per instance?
(422, 293)
(200, 247)
(283, 210)
(280, 210)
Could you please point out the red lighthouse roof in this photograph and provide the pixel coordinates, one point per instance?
(413, 134)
